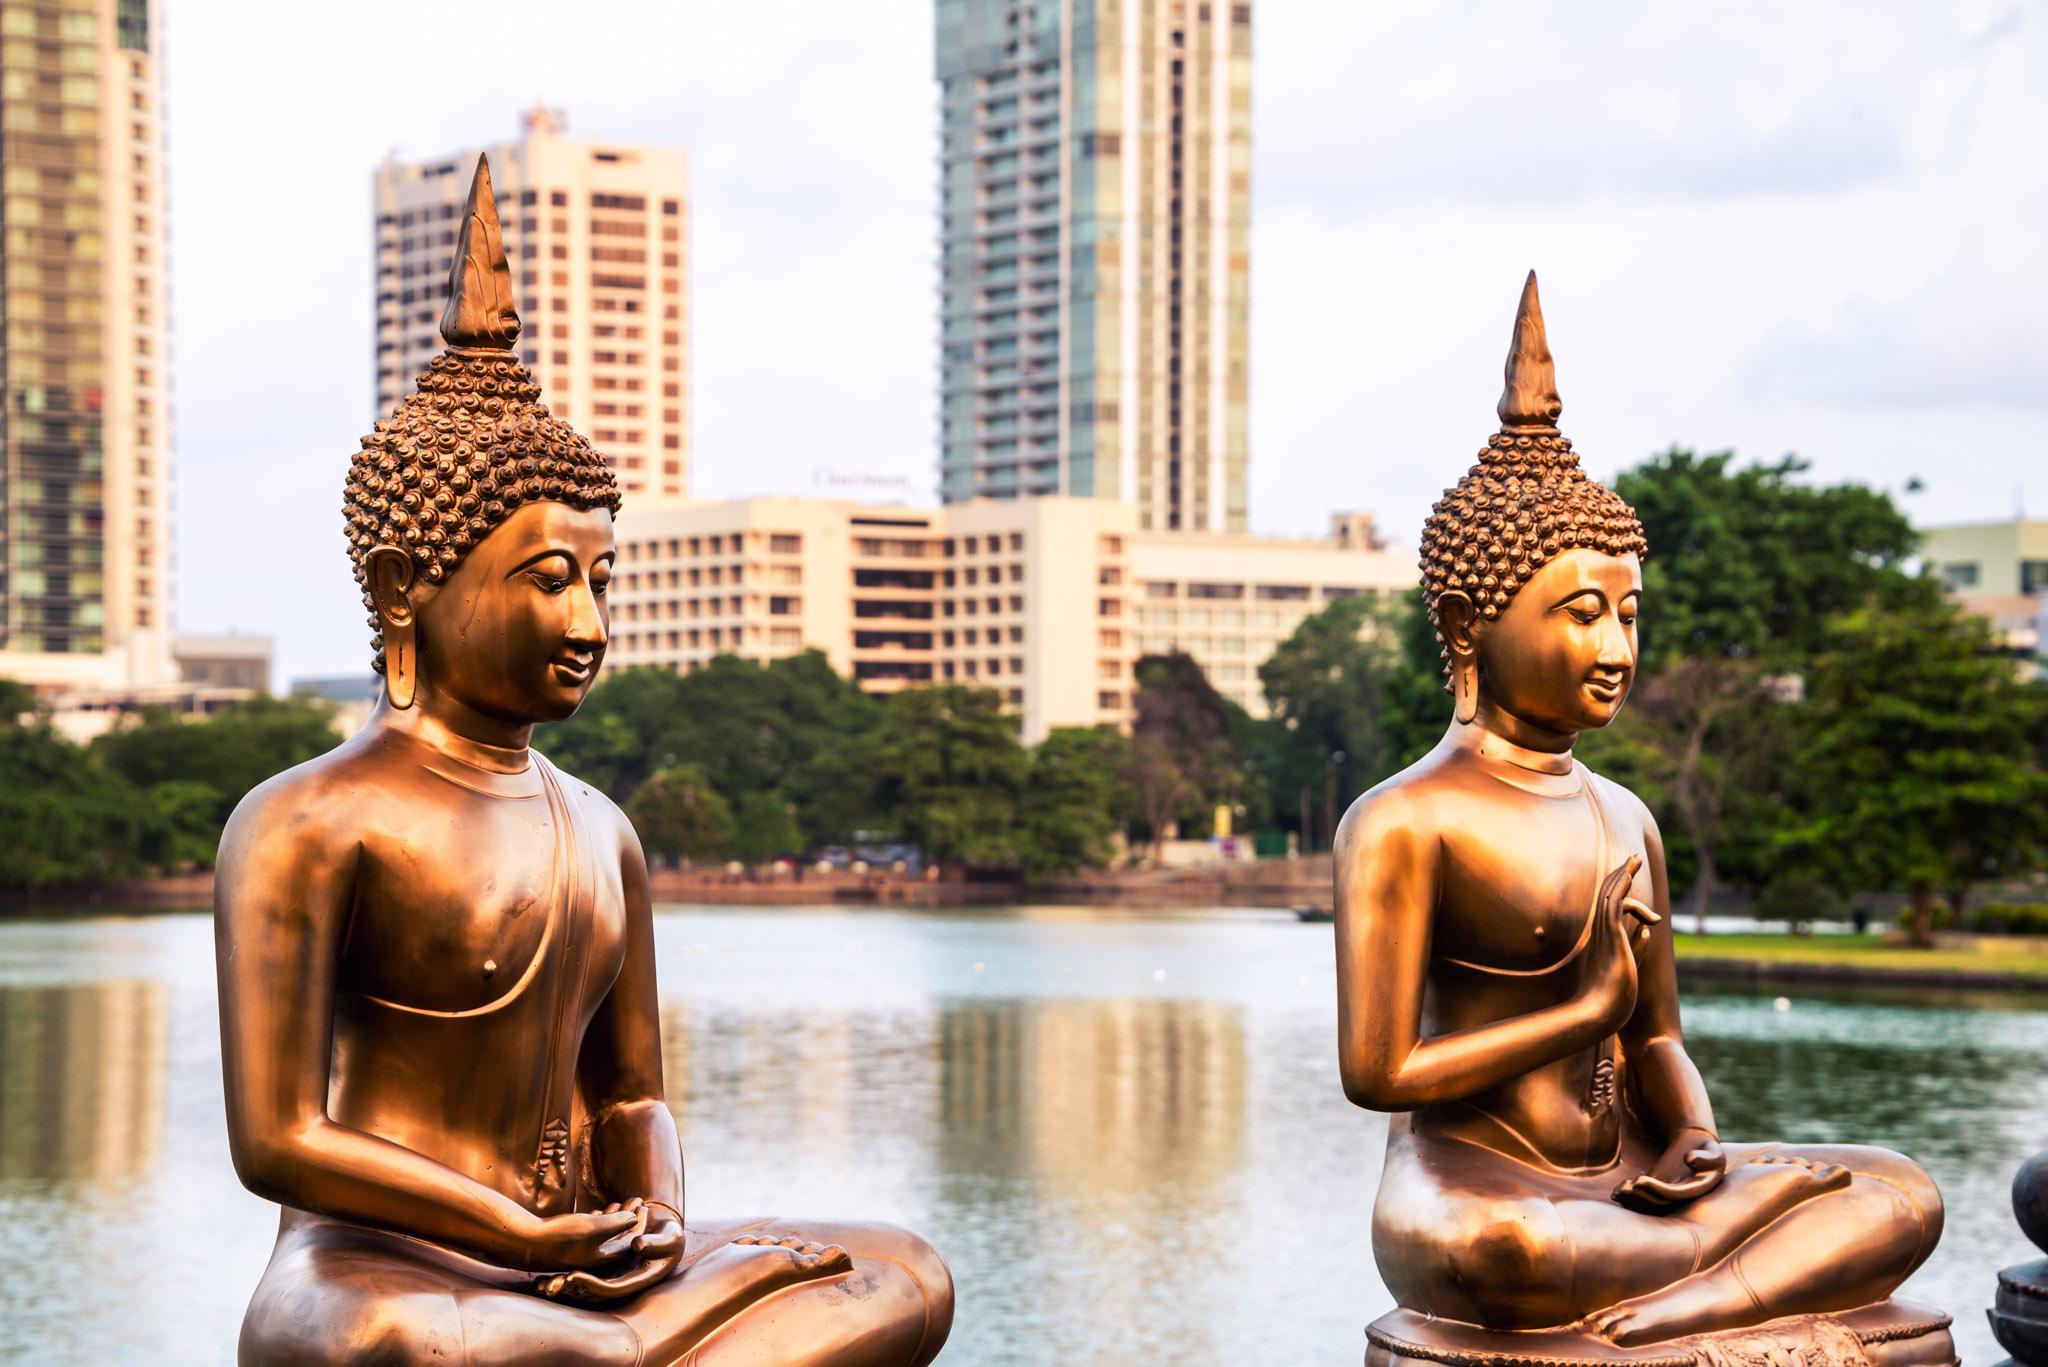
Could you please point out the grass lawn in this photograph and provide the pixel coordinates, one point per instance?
(1864, 952)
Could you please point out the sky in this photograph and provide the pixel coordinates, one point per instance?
(1771, 226)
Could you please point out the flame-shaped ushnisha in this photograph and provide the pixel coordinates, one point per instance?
(473, 442)
(1526, 501)
(480, 313)
(1528, 399)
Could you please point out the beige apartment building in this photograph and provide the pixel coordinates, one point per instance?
(85, 479)
(1049, 601)
(1999, 558)
(597, 236)
(1997, 571)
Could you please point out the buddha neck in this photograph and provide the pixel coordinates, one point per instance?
(460, 733)
(1516, 752)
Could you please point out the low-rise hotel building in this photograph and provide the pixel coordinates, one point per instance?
(1049, 601)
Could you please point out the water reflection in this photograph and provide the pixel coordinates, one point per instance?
(1126, 1136)
(81, 1081)
(1094, 1097)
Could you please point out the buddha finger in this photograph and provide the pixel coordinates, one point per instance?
(1641, 912)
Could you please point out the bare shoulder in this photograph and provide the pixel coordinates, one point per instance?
(1411, 806)
(328, 799)
(605, 814)
(1627, 807)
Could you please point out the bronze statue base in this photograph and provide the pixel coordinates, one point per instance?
(1889, 1334)
(2019, 1315)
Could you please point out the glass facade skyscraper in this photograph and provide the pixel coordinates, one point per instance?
(85, 486)
(1095, 182)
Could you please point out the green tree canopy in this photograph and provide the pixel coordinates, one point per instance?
(1074, 800)
(678, 811)
(64, 817)
(951, 771)
(1184, 758)
(1921, 763)
(1753, 562)
(748, 727)
(1347, 683)
(229, 752)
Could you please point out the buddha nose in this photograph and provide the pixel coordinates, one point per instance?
(586, 619)
(1617, 647)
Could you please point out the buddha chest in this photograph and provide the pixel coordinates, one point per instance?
(477, 898)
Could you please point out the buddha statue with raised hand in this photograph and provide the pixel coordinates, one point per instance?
(436, 958)
(1555, 1186)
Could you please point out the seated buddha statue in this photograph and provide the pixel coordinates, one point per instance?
(1555, 1185)
(437, 965)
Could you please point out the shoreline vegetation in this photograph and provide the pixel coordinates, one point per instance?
(1998, 963)
(1814, 726)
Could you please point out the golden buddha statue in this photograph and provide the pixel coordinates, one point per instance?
(436, 958)
(1555, 1187)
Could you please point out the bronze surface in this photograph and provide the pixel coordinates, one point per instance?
(2019, 1310)
(1506, 986)
(435, 951)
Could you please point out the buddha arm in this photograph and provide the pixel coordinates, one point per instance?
(635, 1149)
(1388, 874)
(281, 902)
(1667, 1085)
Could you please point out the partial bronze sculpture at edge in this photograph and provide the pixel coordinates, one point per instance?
(1556, 1188)
(436, 959)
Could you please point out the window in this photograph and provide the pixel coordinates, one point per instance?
(1217, 591)
(1279, 593)
(2033, 576)
(1961, 575)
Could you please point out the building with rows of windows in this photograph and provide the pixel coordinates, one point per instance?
(85, 478)
(596, 234)
(1049, 601)
(1095, 268)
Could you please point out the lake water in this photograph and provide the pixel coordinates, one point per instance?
(1124, 1133)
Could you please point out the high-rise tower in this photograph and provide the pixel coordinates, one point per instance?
(85, 489)
(1095, 184)
(597, 235)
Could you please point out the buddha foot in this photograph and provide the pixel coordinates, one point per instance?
(1889, 1334)
(2019, 1315)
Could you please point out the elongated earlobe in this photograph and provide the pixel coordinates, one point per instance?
(401, 664)
(1465, 689)
(391, 579)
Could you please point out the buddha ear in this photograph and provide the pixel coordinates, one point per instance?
(391, 574)
(1458, 620)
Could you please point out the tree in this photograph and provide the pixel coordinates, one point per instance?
(678, 812)
(765, 827)
(950, 772)
(1752, 562)
(1334, 693)
(1073, 801)
(66, 818)
(1697, 729)
(622, 733)
(229, 752)
(748, 727)
(1182, 760)
(1921, 767)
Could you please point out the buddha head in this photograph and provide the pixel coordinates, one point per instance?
(1532, 571)
(479, 524)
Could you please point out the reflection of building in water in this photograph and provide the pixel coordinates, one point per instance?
(81, 1080)
(1095, 1097)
